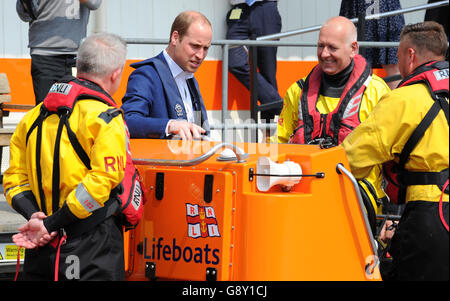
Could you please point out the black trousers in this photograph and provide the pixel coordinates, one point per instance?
(46, 70)
(262, 18)
(419, 247)
(95, 255)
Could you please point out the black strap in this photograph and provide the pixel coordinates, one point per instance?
(42, 115)
(196, 104)
(194, 94)
(405, 177)
(423, 178)
(110, 114)
(443, 102)
(98, 216)
(64, 114)
(38, 124)
(56, 169)
(110, 207)
(300, 83)
(77, 146)
(38, 165)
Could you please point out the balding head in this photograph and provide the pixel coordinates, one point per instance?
(342, 26)
(337, 45)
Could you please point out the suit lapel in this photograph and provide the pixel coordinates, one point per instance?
(175, 105)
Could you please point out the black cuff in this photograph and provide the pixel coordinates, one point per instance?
(25, 203)
(59, 219)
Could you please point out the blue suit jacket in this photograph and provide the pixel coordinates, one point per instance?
(152, 99)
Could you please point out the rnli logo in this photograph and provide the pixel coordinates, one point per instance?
(201, 221)
(137, 196)
(441, 74)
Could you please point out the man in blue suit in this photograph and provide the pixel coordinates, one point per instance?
(163, 98)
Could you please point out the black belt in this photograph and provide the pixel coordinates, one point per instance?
(98, 216)
(408, 178)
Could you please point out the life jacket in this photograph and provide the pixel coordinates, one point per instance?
(128, 197)
(436, 77)
(332, 128)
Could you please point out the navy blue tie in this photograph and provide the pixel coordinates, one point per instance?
(195, 97)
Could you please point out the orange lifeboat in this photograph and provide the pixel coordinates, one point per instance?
(206, 219)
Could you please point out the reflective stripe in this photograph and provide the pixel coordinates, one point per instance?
(7, 191)
(352, 107)
(367, 82)
(85, 199)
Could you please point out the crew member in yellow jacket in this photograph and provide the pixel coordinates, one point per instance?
(410, 127)
(339, 93)
(48, 183)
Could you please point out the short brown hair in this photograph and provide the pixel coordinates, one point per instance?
(428, 35)
(184, 20)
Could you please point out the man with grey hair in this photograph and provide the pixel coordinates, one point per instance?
(69, 204)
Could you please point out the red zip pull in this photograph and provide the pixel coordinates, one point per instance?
(18, 264)
(441, 214)
(62, 241)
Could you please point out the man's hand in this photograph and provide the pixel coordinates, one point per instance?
(388, 231)
(186, 130)
(33, 233)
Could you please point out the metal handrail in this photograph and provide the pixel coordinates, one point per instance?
(262, 41)
(355, 20)
(352, 179)
(226, 46)
(140, 41)
(244, 126)
(240, 155)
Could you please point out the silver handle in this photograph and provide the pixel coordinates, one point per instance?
(341, 168)
(240, 155)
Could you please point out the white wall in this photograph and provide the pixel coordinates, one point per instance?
(152, 19)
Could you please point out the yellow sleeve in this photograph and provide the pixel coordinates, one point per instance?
(15, 179)
(373, 141)
(288, 120)
(108, 158)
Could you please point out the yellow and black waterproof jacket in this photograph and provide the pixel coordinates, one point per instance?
(382, 137)
(82, 191)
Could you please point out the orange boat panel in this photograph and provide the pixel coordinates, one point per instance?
(212, 218)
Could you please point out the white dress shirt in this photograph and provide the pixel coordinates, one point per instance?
(180, 76)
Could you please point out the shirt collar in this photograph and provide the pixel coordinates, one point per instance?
(175, 69)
